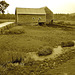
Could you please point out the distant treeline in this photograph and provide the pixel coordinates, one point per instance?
(7, 16)
(70, 17)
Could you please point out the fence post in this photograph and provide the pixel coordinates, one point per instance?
(0, 30)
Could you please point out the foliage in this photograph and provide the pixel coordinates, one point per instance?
(38, 67)
(7, 16)
(67, 44)
(45, 51)
(3, 6)
(69, 17)
(60, 22)
(15, 30)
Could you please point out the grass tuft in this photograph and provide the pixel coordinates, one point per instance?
(67, 44)
(45, 51)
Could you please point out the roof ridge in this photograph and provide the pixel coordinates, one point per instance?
(30, 11)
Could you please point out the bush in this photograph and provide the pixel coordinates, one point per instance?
(60, 22)
(7, 16)
(67, 44)
(45, 51)
(11, 57)
(15, 30)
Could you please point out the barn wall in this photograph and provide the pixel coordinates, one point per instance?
(23, 18)
(49, 15)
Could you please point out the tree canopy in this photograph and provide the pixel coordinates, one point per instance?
(3, 6)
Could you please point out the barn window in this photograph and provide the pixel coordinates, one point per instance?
(33, 18)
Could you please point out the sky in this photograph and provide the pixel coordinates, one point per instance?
(57, 6)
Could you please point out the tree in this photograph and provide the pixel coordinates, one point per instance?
(3, 6)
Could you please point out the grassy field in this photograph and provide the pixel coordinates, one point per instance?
(65, 23)
(33, 39)
(71, 22)
(67, 68)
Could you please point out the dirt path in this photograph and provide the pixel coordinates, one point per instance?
(5, 24)
(56, 52)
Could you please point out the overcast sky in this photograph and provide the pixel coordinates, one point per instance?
(57, 6)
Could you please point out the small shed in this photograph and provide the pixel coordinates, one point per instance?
(33, 15)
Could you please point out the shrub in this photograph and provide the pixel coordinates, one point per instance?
(67, 44)
(15, 30)
(45, 51)
(60, 22)
(11, 57)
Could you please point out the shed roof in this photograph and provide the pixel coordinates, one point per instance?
(30, 11)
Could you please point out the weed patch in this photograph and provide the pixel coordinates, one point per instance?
(15, 30)
(45, 51)
(67, 44)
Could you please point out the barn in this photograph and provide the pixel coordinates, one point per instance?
(33, 15)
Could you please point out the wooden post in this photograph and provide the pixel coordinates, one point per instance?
(0, 30)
